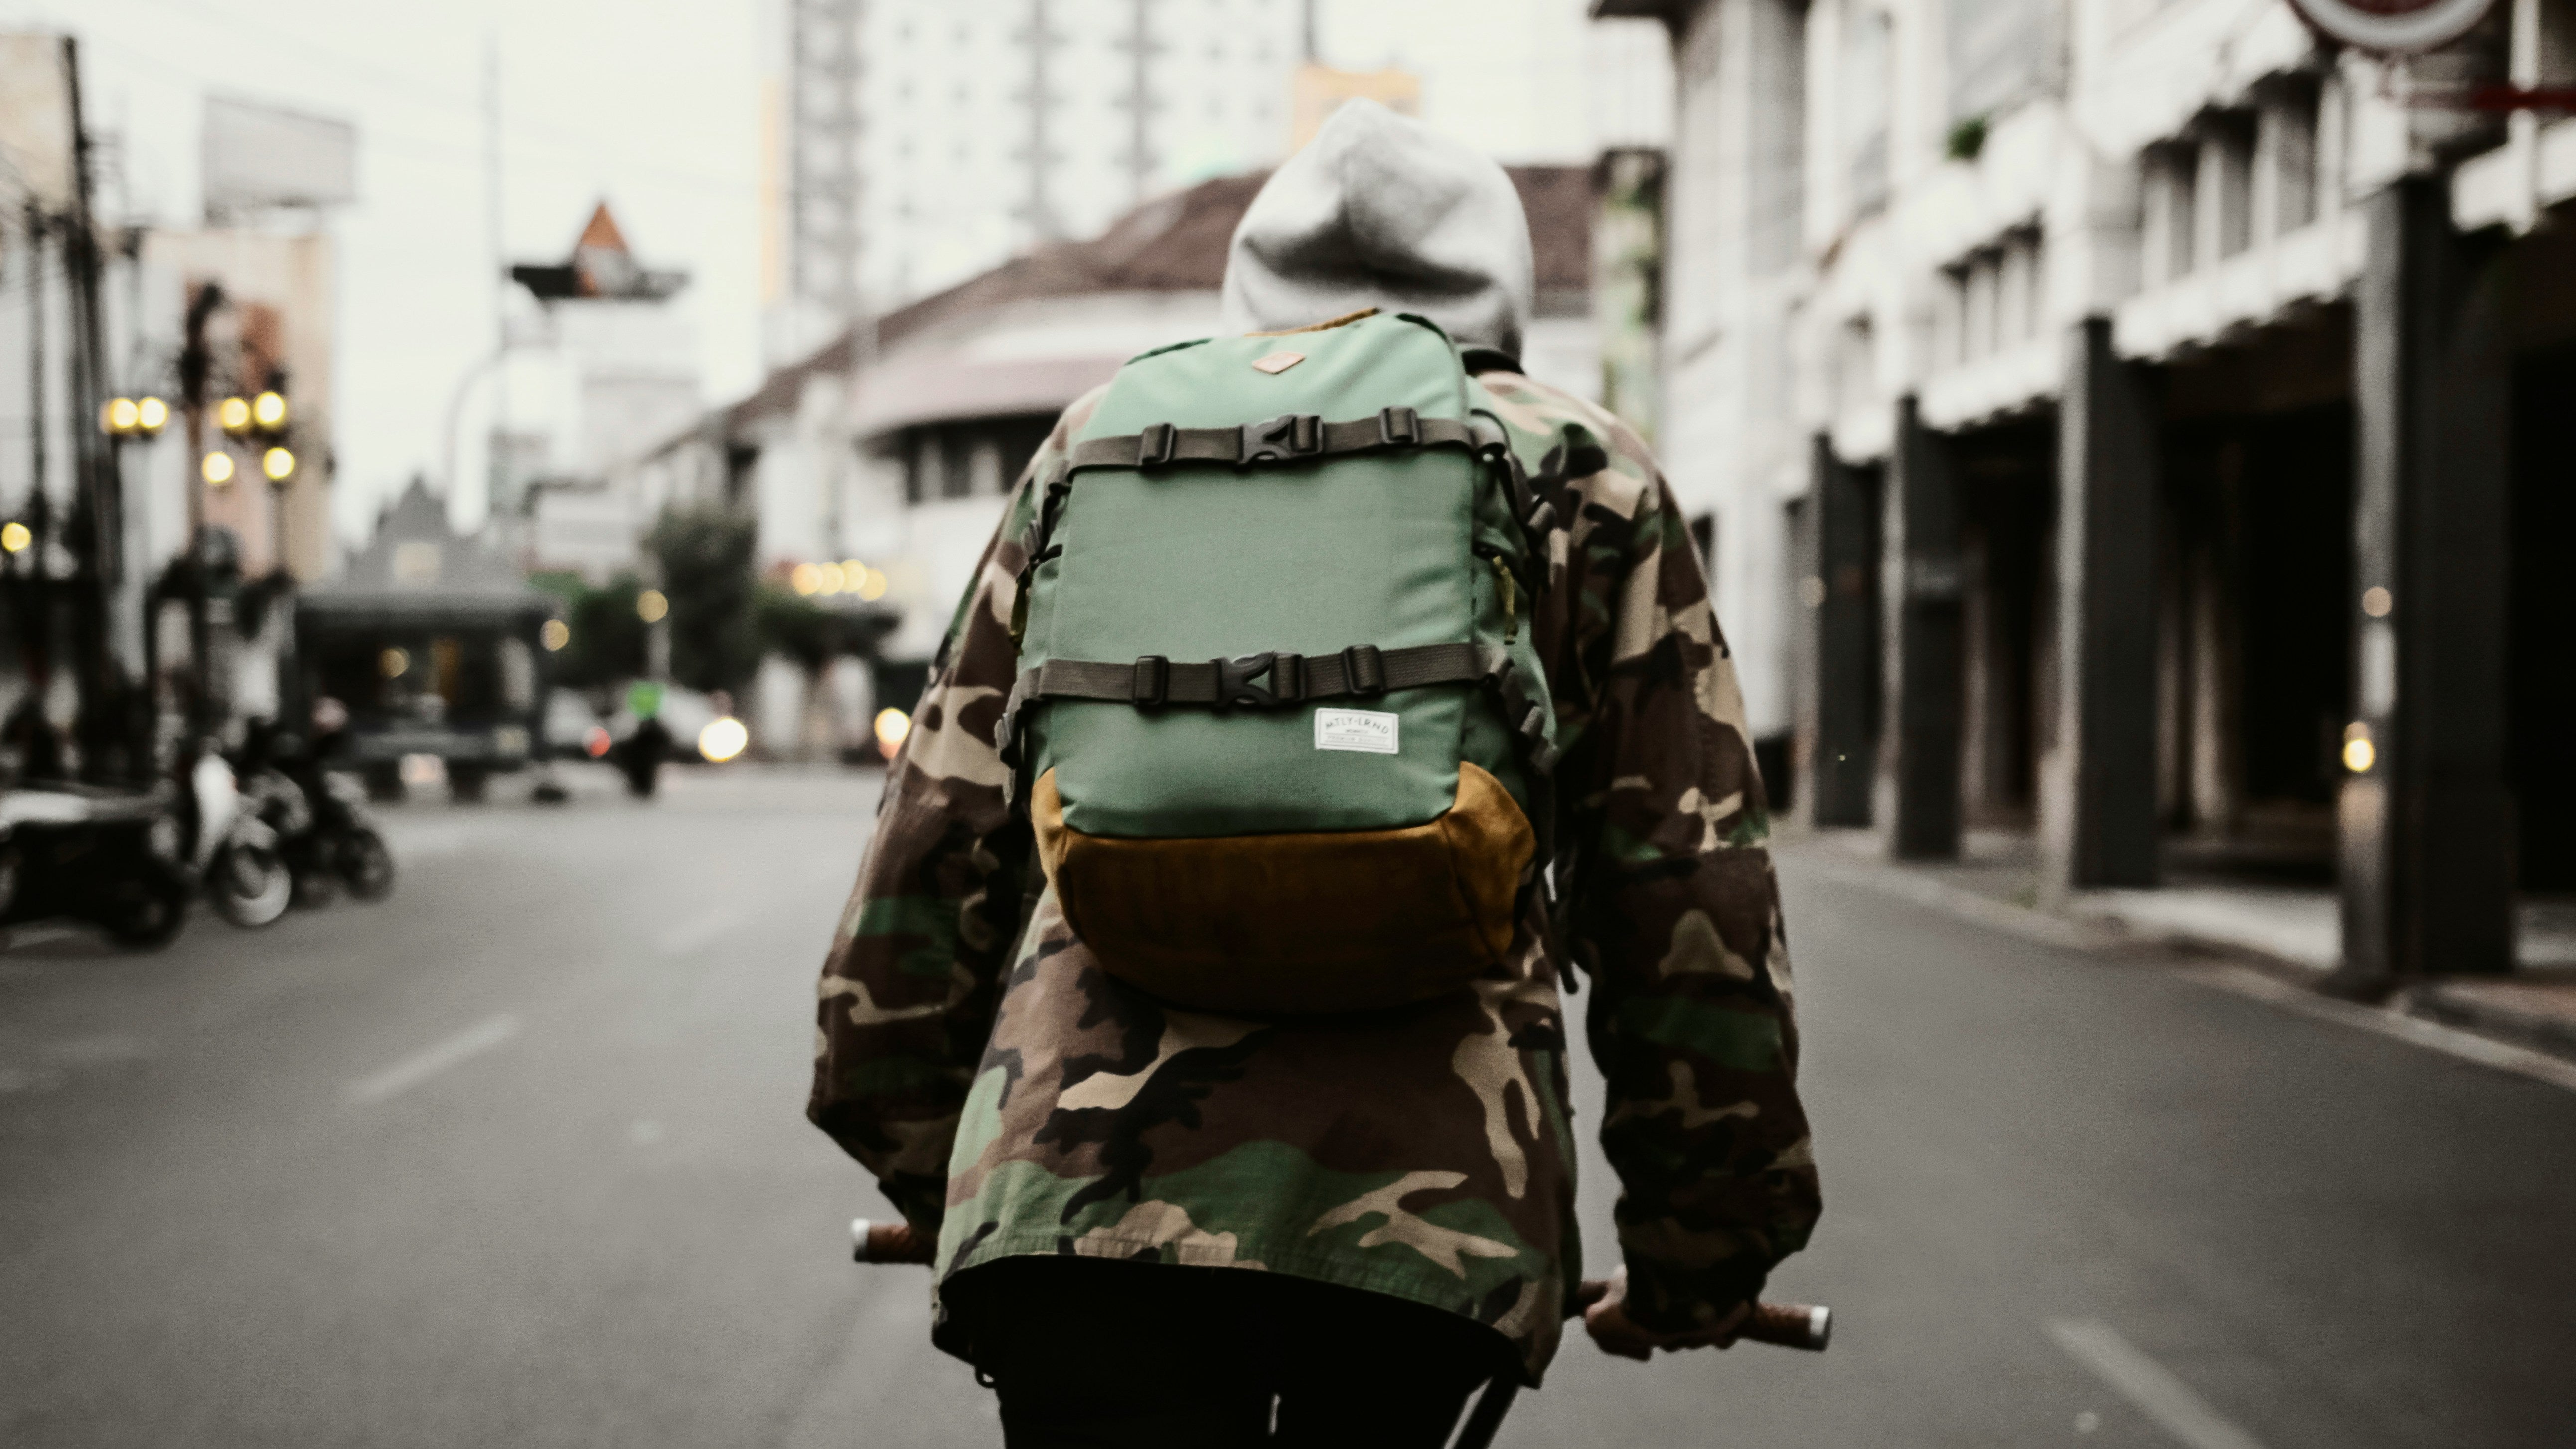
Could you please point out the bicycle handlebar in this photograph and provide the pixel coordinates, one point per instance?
(1803, 1326)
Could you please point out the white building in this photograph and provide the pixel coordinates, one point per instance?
(2110, 411)
(982, 131)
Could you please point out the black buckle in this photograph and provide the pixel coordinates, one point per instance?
(1399, 427)
(1234, 680)
(1289, 435)
(1153, 680)
(1155, 443)
(1364, 670)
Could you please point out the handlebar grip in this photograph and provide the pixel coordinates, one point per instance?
(889, 1243)
(1804, 1326)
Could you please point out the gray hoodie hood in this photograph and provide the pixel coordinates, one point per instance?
(1381, 211)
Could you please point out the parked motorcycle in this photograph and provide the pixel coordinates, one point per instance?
(108, 857)
(325, 832)
(235, 852)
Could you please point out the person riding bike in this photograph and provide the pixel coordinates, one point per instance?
(1163, 1224)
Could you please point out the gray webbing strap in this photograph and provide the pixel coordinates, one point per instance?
(1287, 438)
(1255, 679)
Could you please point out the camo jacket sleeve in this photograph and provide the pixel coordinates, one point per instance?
(1669, 900)
(909, 986)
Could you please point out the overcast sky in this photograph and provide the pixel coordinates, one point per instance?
(651, 104)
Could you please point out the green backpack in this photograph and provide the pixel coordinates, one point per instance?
(1280, 727)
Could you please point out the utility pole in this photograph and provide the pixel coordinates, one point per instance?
(196, 368)
(496, 455)
(106, 725)
(29, 573)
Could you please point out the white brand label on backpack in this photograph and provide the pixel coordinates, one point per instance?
(1355, 729)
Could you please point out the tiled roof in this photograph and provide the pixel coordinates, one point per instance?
(1178, 243)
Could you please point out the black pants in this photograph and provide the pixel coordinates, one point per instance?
(1104, 1354)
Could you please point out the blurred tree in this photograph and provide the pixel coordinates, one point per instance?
(607, 644)
(705, 555)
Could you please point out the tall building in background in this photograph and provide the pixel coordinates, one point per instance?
(924, 142)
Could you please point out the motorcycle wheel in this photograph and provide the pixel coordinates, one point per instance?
(251, 886)
(149, 912)
(366, 866)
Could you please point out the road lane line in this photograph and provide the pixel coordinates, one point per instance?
(2414, 1030)
(2149, 1385)
(419, 1067)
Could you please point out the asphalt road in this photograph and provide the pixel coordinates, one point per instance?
(517, 1158)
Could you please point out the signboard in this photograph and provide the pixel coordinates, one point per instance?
(2394, 27)
(260, 156)
(36, 120)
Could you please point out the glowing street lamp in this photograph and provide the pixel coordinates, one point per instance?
(651, 605)
(269, 410)
(121, 418)
(233, 415)
(15, 537)
(278, 464)
(151, 415)
(555, 635)
(217, 468)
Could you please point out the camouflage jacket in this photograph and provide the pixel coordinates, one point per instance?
(1001, 1087)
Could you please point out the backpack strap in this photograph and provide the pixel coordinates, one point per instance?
(1362, 671)
(1288, 437)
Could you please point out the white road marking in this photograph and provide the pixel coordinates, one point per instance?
(419, 1067)
(698, 934)
(2149, 1385)
(2414, 1030)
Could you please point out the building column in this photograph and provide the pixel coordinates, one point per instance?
(1839, 716)
(2097, 787)
(1921, 749)
(2426, 819)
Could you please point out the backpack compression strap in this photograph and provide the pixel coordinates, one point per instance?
(1363, 669)
(1285, 438)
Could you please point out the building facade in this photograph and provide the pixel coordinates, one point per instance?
(922, 143)
(2129, 422)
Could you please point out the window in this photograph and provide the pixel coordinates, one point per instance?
(2170, 223)
(2286, 156)
(2227, 184)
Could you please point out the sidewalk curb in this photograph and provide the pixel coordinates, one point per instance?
(2434, 1001)
(2506, 1039)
